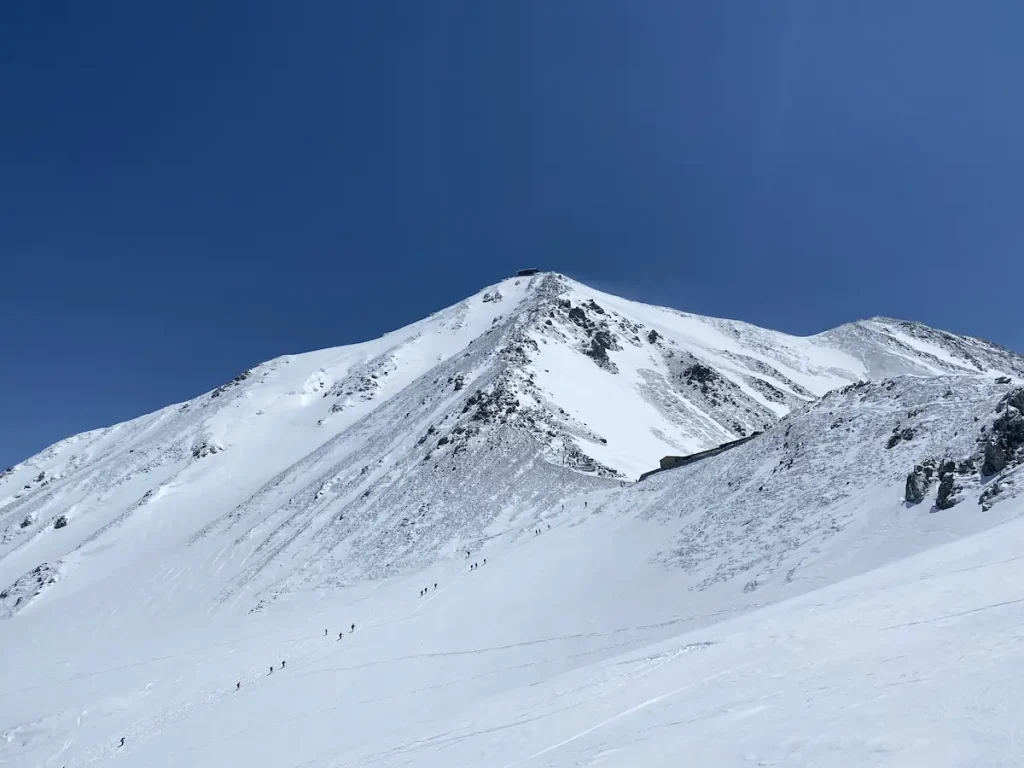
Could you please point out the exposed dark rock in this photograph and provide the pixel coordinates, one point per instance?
(26, 522)
(203, 449)
(233, 383)
(653, 336)
(946, 497)
(40, 476)
(995, 458)
(988, 495)
(966, 467)
(61, 521)
(1003, 380)
(1015, 399)
(1002, 445)
(599, 346)
(700, 373)
(578, 316)
(898, 435)
(917, 485)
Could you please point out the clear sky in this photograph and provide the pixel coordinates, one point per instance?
(190, 188)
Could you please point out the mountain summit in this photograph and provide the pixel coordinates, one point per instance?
(372, 458)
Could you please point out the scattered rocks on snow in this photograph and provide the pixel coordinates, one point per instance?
(701, 376)
(233, 383)
(19, 594)
(203, 448)
(898, 435)
(492, 297)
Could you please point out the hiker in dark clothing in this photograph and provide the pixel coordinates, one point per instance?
(238, 686)
(353, 627)
(485, 561)
(282, 665)
(271, 671)
(435, 583)
(325, 633)
(122, 742)
(340, 635)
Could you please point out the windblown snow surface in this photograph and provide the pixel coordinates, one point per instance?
(462, 492)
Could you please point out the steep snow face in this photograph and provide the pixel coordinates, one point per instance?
(367, 460)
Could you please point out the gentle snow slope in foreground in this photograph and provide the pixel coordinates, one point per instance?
(548, 656)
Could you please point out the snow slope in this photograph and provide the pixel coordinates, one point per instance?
(782, 603)
(313, 470)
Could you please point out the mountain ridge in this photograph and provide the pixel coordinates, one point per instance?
(390, 453)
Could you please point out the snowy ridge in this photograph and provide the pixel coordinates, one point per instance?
(366, 460)
(438, 532)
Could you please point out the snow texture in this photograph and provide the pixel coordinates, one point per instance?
(839, 590)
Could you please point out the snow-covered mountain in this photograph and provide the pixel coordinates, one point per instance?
(457, 499)
(363, 460)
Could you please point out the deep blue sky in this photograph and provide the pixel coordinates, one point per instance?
(190, 188)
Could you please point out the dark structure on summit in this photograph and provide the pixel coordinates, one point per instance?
(674, 462)
(527, 272)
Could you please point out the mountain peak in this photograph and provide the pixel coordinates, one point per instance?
(375, 456)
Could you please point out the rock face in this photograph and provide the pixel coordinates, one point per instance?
(946, 497)
(1007, 436)
(917, 484)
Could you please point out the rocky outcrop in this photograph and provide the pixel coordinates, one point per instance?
(918, 483)
(204, 448)
(898, 435)
(1002, 445)
(19, 594)
(946, 498)
(60, 522)
(233, 383)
